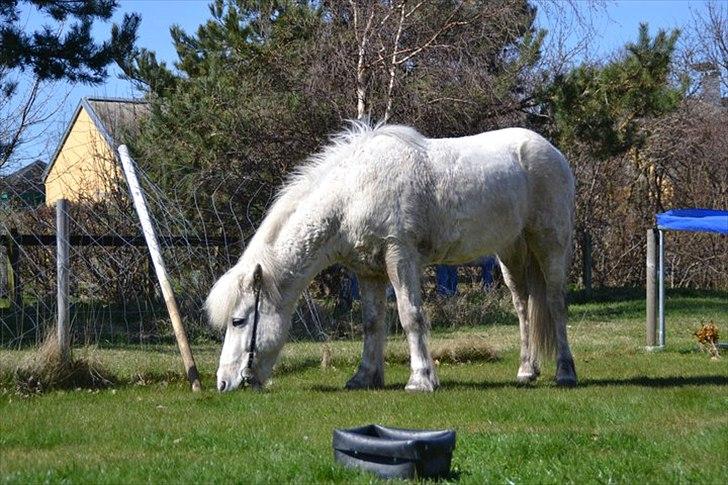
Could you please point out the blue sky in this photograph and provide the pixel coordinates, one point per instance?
(615, 25)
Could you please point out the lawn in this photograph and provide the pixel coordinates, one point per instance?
(635, 417)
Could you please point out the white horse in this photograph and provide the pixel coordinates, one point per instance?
(385, 201)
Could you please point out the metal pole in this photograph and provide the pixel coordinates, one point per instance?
(156, 254)
(661, 299)
(63, 278)
(651, 288)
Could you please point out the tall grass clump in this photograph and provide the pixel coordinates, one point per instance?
(48, 368)
(461, 350)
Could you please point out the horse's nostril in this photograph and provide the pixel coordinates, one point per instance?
(221, 387)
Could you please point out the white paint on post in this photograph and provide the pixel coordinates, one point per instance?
(63, 267)
(156, 255)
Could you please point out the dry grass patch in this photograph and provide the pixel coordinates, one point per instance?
(48, 369)
(460, 350)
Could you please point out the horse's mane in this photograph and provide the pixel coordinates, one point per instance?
(340, 148)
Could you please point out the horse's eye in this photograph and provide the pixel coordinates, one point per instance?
(239, 322)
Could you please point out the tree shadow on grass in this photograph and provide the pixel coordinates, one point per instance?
(669, 381)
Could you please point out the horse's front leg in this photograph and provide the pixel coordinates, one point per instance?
(404, 272)
(371, 368)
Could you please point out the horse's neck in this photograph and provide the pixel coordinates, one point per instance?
(304, 245)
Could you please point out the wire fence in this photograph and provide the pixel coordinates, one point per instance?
(115, 298)
(114, 292)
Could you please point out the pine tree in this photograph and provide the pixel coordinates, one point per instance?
(72, 55)
(603, 106)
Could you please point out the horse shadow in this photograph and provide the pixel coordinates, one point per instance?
(637, 381)
(444, 385)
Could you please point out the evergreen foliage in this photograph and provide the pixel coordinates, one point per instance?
(605, 106)
(72, 55)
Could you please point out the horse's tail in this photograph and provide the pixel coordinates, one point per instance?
(224, 297)
(542, 326)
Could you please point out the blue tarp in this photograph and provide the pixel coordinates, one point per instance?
(446, 278)
(695, 220)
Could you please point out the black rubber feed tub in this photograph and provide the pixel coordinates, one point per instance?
(395, 453)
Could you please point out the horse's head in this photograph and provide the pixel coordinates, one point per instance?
(241, 361)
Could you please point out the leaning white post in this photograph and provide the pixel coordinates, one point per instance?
(661, 297)
(63, 277)
(154, 251)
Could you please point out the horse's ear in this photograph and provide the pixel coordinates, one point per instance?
(257, 277)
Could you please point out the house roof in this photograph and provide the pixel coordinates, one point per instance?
(24, 173)
(25, 183)
(116, 119)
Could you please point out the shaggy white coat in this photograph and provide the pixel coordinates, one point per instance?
(385, 201)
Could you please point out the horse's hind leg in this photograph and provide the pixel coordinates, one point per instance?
(371, 368)
(404, 273)
(553, 259)
(565, 369)
(514, 265)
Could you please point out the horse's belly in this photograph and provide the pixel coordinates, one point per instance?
(463, 242)
(482, 208)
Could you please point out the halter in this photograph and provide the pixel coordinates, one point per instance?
(247, 373)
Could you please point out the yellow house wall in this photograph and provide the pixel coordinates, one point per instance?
(85, 168)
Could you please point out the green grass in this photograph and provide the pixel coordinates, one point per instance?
(635, 417)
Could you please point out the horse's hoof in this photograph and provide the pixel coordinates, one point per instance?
(362, 380)
(566, 381)
(527, 373)
(565, 373)
(419, 387)
(422, 381)
(525, 379)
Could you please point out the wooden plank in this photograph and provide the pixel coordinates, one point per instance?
(155, 252)
(16, 287)
(63, 266)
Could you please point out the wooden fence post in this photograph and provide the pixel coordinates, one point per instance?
(586, 261)
(16, 287)
(6, 281)
(154, 250)
(63, 266)
(651, 288)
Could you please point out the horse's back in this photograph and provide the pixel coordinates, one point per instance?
(454, 198)
(489, 187)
